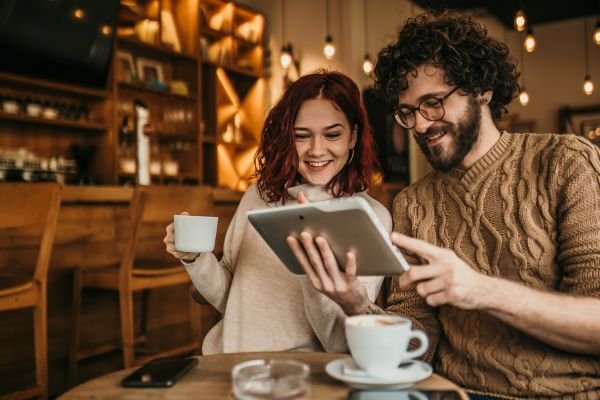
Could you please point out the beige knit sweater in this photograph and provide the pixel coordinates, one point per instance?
(265, 307)
(529, 212)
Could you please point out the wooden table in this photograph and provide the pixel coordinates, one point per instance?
(211, 379)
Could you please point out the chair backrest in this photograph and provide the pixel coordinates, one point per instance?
(32, 205)
(154, 205)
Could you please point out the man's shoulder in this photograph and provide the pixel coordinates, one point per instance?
(558, 140)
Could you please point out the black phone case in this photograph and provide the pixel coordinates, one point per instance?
(160, 372)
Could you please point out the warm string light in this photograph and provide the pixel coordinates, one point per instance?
(328, 48)
(588, 85)
(597, 33)
(79, 13)
(529, 43)
(520, 21)
(367, 65)
(523, 95)
(285, 57)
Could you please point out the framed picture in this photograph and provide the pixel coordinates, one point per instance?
(582, 121)
(125, 68)
(149, 71)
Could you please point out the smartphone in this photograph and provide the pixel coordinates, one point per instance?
(160, 372)
(405, 394)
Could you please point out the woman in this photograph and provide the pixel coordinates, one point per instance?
(316, 144)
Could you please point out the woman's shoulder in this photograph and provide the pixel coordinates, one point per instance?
(381, 211)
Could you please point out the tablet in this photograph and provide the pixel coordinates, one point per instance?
(347, 223)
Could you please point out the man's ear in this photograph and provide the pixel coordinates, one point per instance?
(486, 97)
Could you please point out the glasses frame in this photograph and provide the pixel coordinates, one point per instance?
(440, 100)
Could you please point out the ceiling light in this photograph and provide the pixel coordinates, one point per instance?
(588, 85)
(286, 56)
(329, 48)
(367, 65)
(529, 41)
(520, 21)
(524, 97)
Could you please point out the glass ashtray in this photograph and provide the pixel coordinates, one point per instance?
(270, 379)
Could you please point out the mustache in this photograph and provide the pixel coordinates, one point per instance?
(432, 131)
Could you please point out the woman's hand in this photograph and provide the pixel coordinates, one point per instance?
(317, 260)
(169, 242)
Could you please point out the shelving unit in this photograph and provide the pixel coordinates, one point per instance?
(198, 67)
(42, 121)
(233, 89)
(165, 79)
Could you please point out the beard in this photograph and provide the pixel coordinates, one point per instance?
(466, 133)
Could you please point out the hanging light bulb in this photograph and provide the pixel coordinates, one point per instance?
(588, 85)
(597, 33)
(329, 48)
(524, 97)
(286, 56)
(367, 65)
(529, 43)
(520, 21)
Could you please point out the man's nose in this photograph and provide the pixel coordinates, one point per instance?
(421, 123)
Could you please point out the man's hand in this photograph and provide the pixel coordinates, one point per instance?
(445, 279)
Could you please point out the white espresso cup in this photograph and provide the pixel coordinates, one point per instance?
(195, 234)
(379, 343)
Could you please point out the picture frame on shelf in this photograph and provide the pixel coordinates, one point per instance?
(150, 72)
(125, 68)
(582, 121)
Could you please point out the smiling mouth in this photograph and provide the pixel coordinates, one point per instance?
(435, 137)
(317, 164)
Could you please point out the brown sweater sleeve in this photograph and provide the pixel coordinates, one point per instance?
(407, 302)
(576, 172)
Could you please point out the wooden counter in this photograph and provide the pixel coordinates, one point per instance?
(90, 234)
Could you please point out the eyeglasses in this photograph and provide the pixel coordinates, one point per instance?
(431, 108)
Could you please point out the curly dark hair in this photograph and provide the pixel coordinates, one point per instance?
(457, 44)
(276, 160)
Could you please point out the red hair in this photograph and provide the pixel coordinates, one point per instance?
(277, 160)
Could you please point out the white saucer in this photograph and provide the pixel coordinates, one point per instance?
(415, 371)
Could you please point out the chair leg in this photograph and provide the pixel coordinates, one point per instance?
(144, 315)
(40, 333)
(73, 369)
(127, 327)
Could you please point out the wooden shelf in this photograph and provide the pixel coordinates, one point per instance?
(89, 126)
(131, 86)
(163, 52)
(235, 70)
(60, 87)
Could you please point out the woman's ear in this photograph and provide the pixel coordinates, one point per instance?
(354, 136)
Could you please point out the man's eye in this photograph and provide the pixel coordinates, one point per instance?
(431, 103)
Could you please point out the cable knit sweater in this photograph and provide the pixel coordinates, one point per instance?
(528, 211)
(265, 307)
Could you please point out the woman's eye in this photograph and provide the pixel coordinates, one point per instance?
(301, 136)
(333, 136)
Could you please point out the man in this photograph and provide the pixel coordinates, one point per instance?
(503, 237)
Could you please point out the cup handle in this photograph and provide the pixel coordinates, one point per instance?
(422, 337)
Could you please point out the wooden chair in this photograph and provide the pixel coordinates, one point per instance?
(27, 208)
(151, 206)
